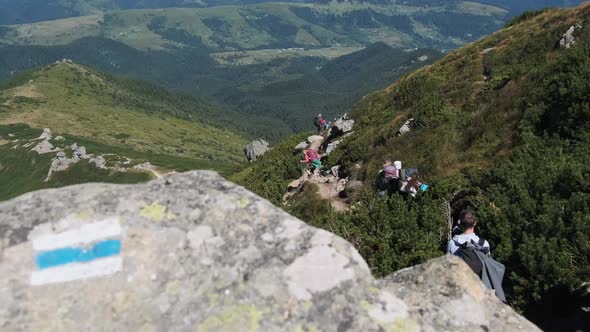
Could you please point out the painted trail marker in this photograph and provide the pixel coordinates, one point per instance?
(91, 250)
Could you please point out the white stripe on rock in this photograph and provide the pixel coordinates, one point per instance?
(71, 272)
(87, 233)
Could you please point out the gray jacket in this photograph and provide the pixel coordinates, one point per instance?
(492, 272)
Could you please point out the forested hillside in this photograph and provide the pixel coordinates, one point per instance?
(280, 97)
(276, 62)
(502, 128)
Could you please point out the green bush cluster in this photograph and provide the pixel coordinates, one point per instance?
(272, 172)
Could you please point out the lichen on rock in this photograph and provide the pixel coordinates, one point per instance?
(196, 252)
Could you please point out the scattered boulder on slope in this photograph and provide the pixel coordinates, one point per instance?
(59, 164)
(46, 134)
(407, 127)
(332, 146)
(99, 162)
(44, 147)
(301, 146)
(315, 138)
(568, 39)
(342, 126)
(256, 149)
(193, 252)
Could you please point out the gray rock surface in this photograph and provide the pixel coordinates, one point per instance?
(59, 164)
(256, 149)
(343, 125)
(315, 138)
(44, 147)
(46, 134)
(443, 292)
(407, 126)
(568, 39)
(488, 50)
(201, 254)
(100, 162)
(332, 146)
(301, 146)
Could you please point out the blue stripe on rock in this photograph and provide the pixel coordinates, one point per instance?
(62, 256)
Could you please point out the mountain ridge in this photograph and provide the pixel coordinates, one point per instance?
(124, 123)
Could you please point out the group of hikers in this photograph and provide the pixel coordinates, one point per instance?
(311, 156)
(320, 123)
(393, 178)
(465, 243)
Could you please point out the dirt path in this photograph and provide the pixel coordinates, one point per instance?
(157, 174)
(328, 191)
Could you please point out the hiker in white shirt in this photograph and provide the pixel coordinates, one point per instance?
(468, 223)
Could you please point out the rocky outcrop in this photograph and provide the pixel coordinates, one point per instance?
(256, 149)
(46, 134)
(342, 126)
(301, 146)
(407, 127)
(315, 142)
(444, 292)
(61, 162)
(192, 252)
(568, 39)
(44, 147)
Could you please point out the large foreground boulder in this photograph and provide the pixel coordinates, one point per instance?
(256, 149)
(192, 252)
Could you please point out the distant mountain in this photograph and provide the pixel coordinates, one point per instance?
(28, 11)
(107, 115)
(273, 25)
(517, 7)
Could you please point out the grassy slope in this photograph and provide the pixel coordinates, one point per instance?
(466, 122)
(259, 26)
(72, 99)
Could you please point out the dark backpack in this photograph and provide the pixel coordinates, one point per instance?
(469, 255)
(381, 182)
(316, 121)
(411, 172)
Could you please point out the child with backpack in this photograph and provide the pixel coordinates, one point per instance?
(313, 158)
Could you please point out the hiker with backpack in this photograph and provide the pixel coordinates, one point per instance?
(312, 158)
(475, 252)
(319, 122)
(413, 185)
(386, 182)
